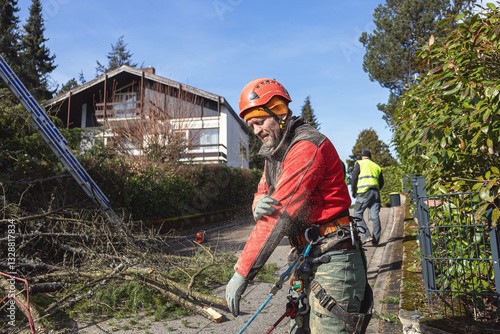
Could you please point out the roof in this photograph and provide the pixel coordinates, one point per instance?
(149, 76)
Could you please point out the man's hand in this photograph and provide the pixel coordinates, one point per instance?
(234, 289)
(264, 207)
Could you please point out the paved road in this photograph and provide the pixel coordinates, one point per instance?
(384, 263)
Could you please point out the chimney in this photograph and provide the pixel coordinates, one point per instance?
(149, 69)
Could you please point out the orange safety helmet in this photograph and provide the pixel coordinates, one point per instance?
(259, 91)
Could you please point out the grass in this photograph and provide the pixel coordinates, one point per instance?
(387, 317)
(390, 300)
(413, 296)
(267, 273)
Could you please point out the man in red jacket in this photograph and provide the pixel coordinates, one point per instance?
(302, 188)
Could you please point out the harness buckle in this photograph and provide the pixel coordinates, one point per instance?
(314, 237)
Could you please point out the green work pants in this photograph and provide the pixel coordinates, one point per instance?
(343, 278)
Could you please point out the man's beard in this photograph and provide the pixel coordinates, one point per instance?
(271, 143)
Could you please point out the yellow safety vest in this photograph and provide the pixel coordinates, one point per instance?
(368, 175)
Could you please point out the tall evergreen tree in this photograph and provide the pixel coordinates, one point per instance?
(38, 63)
(308, 113)
(72, 83)
(9, 33)
(402, 26)
(118, 56)
(81, 78)
(368, 140)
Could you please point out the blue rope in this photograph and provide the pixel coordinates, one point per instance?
(256, 313)
(276, 287)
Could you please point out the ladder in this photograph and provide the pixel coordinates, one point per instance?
(56, 141)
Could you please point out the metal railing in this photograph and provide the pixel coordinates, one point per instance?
(460, 256)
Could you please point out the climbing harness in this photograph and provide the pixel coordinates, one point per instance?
(279, 284)
(355, 323)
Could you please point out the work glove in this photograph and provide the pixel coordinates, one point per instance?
(264, 207)
(234, 289)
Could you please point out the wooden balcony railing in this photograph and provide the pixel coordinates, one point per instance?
(117, 110)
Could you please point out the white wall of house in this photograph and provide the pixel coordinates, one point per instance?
(235, 137)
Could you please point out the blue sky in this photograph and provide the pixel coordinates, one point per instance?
(312, 48)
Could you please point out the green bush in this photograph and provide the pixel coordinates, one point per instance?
(393, 182)
(160, 191)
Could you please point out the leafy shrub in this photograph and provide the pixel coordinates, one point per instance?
(393, 182)
(447, 124)
(160, 191)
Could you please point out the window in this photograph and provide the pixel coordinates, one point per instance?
(200, 139)
(125, 101)
(210, 108)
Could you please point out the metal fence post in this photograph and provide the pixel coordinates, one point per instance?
(495, 253)
(424, 232)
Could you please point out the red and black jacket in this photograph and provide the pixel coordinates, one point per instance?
(304, 173)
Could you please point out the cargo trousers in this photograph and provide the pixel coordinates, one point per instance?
(344, 278)
(369, 199)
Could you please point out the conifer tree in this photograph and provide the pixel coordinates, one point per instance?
(9, 33)
(402, 26)
(118, 56)
(38, 63)
(308, 114)
(72, 83)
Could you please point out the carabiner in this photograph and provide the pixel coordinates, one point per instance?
(296, 287)
(306, 235)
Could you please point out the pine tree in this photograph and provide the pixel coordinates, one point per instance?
(38, 63)
(9, 33)
(308, 114)
(81, 78)
(118, 56)
(368, 140)
(72, 83)
(403, 26)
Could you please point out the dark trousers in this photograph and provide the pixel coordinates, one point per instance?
(368, 200)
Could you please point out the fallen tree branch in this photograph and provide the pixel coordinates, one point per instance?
(212, 261)
(41, 215)
(96, 274)
(25, 264)
(198, 295)
(85, 252)
(43, 234)
(192, 305)
(59, 305)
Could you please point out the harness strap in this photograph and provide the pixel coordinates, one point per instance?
(355, 323)
(320, 230)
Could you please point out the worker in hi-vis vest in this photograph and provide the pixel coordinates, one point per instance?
(366, 182)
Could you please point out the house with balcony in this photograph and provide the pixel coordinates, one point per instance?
(144, 110)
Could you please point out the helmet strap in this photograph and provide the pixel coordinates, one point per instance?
(281, 122)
